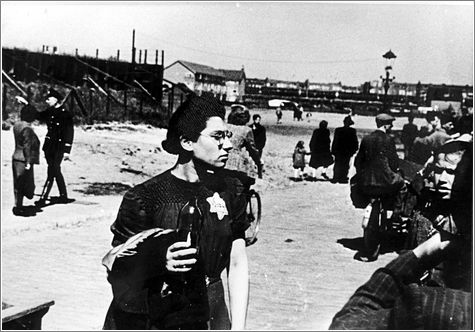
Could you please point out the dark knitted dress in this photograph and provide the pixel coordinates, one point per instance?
(146, 295)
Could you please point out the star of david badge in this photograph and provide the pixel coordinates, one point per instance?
(217, 205)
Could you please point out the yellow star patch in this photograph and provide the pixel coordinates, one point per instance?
(217, 205)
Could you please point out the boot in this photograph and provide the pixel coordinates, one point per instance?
(45, 193)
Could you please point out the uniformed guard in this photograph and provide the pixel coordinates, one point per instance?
(57, 145)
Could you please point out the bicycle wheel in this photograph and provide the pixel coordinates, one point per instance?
(253, 213)
(372, 232)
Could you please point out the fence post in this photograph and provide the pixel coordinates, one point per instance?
(90, 106)
(125, 104)
(4, 103)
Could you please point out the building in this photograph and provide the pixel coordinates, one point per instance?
(223, 84)
(235, 81)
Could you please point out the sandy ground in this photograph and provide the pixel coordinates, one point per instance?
(302, 268)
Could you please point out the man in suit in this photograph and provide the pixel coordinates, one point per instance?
(57, 145)
(259, 132)
(345, 145)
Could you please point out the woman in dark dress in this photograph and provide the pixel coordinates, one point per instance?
(321, 156)
(175, 234)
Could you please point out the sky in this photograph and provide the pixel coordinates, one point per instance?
(319, 41)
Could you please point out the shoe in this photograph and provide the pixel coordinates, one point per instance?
(41, 202)
(63, 200)
(21, 212)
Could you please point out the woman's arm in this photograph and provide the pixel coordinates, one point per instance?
(238, 284)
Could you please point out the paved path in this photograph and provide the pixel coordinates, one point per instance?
(300, 275)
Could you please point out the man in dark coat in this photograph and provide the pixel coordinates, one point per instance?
(259, 132)
(377, 163)
(409, 134)
(57, 145)
(345, 145)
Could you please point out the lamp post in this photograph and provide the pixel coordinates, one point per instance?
(389, 57)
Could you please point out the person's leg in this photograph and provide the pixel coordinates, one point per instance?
(338, 168)
(344, 168)
(218, 312)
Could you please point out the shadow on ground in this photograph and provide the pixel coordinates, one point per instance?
(389, 244)
(105, 188)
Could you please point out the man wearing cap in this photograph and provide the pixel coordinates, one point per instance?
(344, 146)
(57, 145)
(377, 161)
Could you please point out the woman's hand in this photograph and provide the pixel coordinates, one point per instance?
(27, 167)
(178, 257)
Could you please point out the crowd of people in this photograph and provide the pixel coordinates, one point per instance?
(324, 153)
(176, 233)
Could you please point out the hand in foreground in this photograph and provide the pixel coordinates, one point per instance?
(27, 167)
(178, 257)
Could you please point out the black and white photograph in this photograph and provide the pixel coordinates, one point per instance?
(244, 165)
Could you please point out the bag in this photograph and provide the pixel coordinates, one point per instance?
(358, 198)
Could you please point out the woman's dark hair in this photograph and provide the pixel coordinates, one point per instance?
(323, 124)
(239, 116)
(190, 119)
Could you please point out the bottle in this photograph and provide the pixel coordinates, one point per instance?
(189, 222)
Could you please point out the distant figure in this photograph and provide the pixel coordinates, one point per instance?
(465, 122)
(57, 145)
(321, 156)
(278, 113)
(300, 113)
(298, 159)
(408, 135)
(259, 132)
(345, 145)
(26, 154)
(244, 155)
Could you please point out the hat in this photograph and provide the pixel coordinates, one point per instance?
(348, 121)
(383, 118)
(190, 119)
(454, 144)
(53, 93)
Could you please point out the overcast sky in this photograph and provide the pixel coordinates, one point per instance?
(319, 41)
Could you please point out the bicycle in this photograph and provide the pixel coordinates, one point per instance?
(253, 213)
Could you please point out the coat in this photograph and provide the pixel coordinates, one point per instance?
(59, 138)
(259, 132)
(376, 165)
(320, 149)
(244, 156)
(345, 141)
(27, 144)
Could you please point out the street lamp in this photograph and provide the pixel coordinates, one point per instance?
(390, 58)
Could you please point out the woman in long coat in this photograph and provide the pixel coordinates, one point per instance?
(321, 156)
(26, 154)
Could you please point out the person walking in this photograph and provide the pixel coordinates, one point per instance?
(57, 145)
(344, 146)
(278, 113)
(409, 133)
(259, 132)
(176, 233)
(25, 156)
(320, 156)
(244, 155)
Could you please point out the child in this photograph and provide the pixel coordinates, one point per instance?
(299, 161)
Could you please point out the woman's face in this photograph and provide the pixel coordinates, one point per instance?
(443, 174)
(213, 144)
